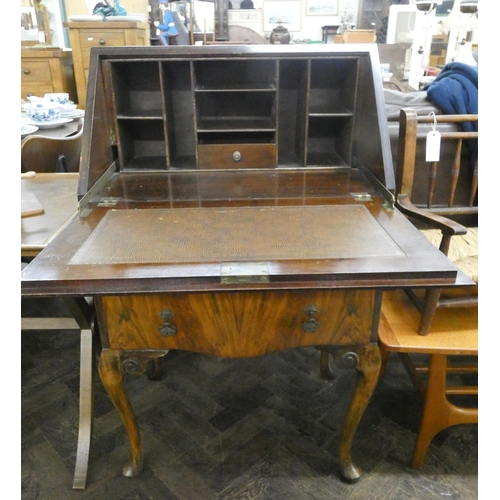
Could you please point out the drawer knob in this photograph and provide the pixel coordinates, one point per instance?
(26, 71)
(102, 42)
(236, 156)
(312, 324)
(167, 329)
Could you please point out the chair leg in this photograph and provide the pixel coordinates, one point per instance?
(429, 308)
(438, 413)
(384, 355)
(325, 370)
(154, 371)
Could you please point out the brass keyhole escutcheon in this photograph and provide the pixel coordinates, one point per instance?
(312, 324)
(236, 156)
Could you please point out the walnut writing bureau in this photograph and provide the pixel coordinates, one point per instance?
(235, 201)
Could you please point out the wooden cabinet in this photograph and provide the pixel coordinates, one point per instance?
(235, 201)
(239, 112)
(85, 35)
(45, 71)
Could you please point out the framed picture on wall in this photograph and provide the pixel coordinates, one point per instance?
(284, 12)
(322, 7)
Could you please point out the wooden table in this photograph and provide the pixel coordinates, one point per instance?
(280, 260)
(57, 195)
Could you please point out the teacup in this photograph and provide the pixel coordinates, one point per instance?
(68, 108)
(60, 97)
(43, 111)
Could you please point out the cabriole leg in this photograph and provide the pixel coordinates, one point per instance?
(110, 371)
(366, 360)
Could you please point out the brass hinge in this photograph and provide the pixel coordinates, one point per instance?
(362, 196)
(232, 273)
(108, 201)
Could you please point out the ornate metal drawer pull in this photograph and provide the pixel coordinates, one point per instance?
(312, 324)
(167, 329)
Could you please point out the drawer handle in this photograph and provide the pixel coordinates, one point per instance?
(26, 71)
(167, 329)
(312, 324)
(102, 42)
(236, 156)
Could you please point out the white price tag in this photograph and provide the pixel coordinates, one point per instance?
(433, 146)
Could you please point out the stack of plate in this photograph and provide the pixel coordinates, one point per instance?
(73, 113)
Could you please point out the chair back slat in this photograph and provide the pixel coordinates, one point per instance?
(432, 183)
(45, 154)
(455, 172)
(475, 181)
(448, 186)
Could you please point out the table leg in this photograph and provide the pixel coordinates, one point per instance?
(367, 361)
(86, 408)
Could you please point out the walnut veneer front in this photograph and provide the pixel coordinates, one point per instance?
(238, 324)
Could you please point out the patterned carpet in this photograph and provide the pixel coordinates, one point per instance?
(219, 429)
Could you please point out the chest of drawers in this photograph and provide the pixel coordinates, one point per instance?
(45, 71)
(85, 35)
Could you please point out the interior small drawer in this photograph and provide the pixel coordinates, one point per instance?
(36, 71)
(222, 156)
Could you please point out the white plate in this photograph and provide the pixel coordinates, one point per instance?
(85, 18)
(97, 17)
(129, 17)
(27, 129)
(77, 113)
(53, 124)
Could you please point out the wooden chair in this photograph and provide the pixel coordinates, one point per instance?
(441, 196)
(42, 154)
(453, 337)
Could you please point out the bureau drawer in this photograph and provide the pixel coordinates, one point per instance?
(97, 38)
(237, 324)
(35, 71)
(222, 156)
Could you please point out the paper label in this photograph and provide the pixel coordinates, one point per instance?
(433, 146)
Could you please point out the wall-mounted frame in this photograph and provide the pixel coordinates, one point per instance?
(284, 12)
(322, 7)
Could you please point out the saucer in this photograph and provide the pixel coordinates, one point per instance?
(52, 124)
(27, 129)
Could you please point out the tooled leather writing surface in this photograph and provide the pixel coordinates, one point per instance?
(235, 234)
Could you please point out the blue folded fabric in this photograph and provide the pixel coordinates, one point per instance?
(455, 92)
